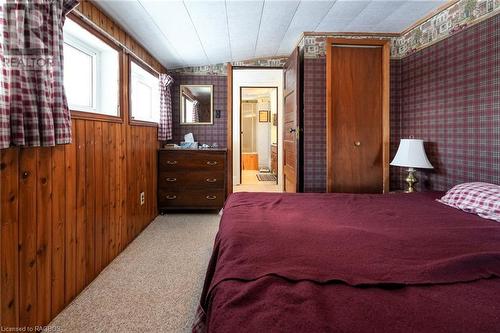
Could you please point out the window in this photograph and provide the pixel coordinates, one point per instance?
(91, 72)
(188, 110)
(144, 94)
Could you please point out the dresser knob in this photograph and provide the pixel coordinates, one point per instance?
(212, 162)
(171, 197)
(211, 197)
(357, 143)
(211, 180)
(171, 162)
(171, 179)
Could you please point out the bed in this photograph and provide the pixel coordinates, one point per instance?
(351, 263)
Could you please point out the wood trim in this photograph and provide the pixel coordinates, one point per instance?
(91, 13)
(385, 104)
(386, 127)
(127, 86)
(270, 121)
(329, 116)
(91, 28)
(142, 123)
(95, 116)
(76, 114)
(349, 41)
(229, 144)
(256, 67)
(374, 34)
(428, 16)
(139, 62)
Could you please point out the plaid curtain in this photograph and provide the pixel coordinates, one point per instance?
(196, 111)
(33, 107)
(165, 127)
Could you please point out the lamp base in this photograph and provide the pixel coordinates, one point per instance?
(411, 180)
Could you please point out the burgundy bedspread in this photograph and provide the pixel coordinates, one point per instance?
(344, 247)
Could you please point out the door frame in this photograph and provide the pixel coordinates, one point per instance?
(385, 44)
(229, 137)
(277, 127)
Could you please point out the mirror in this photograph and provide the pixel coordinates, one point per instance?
(196, 104)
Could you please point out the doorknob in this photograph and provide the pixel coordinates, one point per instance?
(357, 143)
(291, 130)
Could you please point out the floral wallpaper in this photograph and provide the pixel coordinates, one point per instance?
(221, 69)
(455, 18)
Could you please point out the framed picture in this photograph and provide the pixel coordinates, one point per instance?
(263, 116)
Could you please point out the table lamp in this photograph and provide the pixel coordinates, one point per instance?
(411, 154)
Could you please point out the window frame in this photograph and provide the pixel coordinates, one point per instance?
(138, 62)
(87, 115)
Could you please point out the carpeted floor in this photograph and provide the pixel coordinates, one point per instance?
(152, 286)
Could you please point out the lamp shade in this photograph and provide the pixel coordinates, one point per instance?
(411, 154)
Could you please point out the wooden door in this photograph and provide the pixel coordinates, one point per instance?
(356, 118)
(291, 126)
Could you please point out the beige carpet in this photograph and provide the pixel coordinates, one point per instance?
(152, 286)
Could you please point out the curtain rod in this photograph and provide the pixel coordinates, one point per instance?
(113, 39)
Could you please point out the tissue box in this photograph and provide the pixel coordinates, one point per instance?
(189, 145)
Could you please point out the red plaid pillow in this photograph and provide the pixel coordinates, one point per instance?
(482, 199)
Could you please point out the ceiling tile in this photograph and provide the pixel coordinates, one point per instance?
(174, 21)
(407, 14)
(132, 17)
(372, 15)
(198, 32)
(243, 22)
(341, 15)
(308, 16)
(276, 19)
(210, 22)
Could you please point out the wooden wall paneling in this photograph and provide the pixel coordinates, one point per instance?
(113, 194)
(90, 200)
(119, 192)
(71, 218)
(99, 198)
(58, 229)
(27, 237)
(67, 211)
(9, 264)
(81, 209)
(106, 169)
(123, 188)
(44, 235)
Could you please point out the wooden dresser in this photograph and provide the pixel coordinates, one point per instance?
(191, 178)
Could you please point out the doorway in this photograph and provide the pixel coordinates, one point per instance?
(256, 131)
(259, 138)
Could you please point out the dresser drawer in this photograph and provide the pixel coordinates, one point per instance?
(186, 160)
(173, 180)
(190, 199)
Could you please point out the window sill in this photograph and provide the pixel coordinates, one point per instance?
(133, 122)
(95, 116)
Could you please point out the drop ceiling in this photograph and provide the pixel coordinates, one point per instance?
(196, 33)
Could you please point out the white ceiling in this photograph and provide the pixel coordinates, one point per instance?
(202, 32)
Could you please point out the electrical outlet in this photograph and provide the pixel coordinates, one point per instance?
(142, 198)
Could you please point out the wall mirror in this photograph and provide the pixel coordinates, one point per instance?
(196, 104)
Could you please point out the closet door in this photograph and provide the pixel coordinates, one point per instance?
(355, 122)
